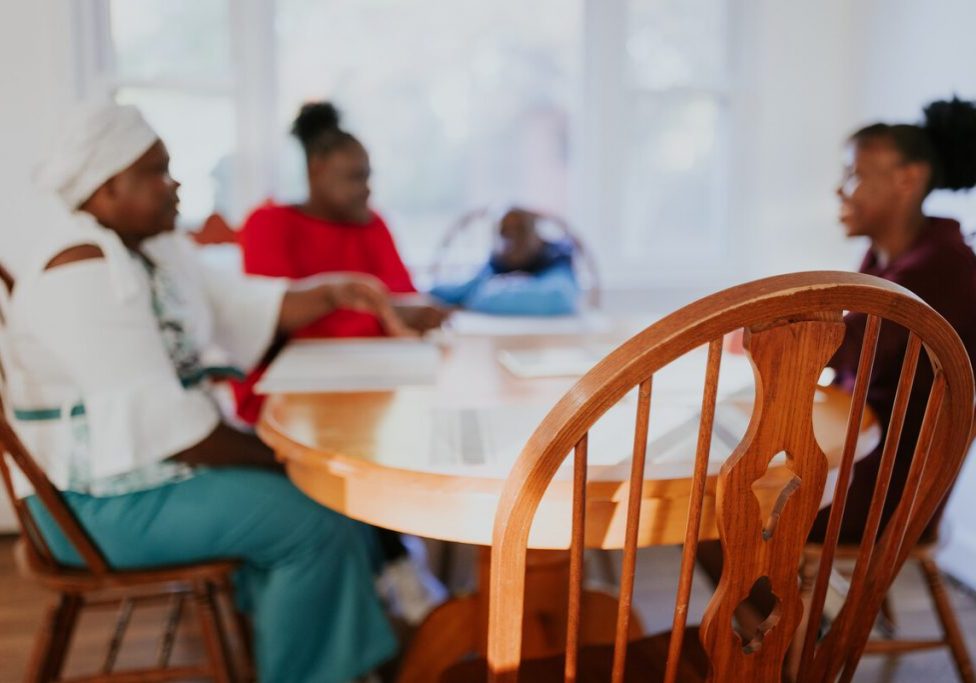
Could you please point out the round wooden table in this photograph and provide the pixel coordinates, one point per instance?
(432, 461)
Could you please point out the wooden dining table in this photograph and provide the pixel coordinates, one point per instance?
(432, 461)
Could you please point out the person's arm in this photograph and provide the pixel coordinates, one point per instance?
(227, 447)
(419, 312)
(310, 299)
(552, 292)
(457, 293)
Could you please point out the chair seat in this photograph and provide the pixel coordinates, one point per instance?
(68, 579)
(646, 662)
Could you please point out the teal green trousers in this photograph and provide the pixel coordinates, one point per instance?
(307, 579)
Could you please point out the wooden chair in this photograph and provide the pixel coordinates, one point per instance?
(97, 584)
(764, 508)
(478, 226)
(952, 638)
(923, 555)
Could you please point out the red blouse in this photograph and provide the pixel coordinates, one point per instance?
(282, 241)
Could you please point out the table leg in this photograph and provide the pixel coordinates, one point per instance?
(459, 627)
(448, 634)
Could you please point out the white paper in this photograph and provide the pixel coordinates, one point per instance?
(480, 324)
(553, 362)
(364, 365)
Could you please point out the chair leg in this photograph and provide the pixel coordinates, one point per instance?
(947, 616)
(886, 621)
(242, 628)
(54, 639)
(809, 568)
(607, 568)
(212, 632)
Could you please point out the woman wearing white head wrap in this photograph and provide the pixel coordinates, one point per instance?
(99, 141)
(108, 335)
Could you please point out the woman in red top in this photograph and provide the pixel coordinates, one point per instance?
(334, 230)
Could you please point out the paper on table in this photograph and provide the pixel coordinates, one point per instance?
(373, 365)
(552, 362)
(480, 324)
(490, 439)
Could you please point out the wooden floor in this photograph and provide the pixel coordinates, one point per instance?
(22, 605)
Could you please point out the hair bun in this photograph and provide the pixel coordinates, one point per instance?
(314, 119)
(951, 126)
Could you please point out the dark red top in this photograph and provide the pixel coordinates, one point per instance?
(282, 241)
(941, 269)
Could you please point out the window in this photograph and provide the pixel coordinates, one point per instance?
(612, 112)
(172, 58)
(675, 97)
(461, 103)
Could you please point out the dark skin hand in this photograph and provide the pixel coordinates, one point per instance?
(140, 202)
(419, 312)
(227, 447)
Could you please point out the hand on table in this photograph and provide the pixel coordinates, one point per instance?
(419, 312)
(312, 298)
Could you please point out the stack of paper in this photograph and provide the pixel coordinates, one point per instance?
(362, 365)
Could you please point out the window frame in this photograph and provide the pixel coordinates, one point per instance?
(598, 147)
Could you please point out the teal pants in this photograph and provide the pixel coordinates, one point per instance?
(307, 578)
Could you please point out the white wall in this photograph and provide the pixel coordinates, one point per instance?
(35, 81)
(910, 54)
(795, 93)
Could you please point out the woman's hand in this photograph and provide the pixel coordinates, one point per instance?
(419, 312)
(368, 294)
(314, 297)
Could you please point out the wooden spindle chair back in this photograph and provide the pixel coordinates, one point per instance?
(793, 324)
(584, 260)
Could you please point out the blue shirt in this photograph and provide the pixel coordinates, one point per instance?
(548, 287)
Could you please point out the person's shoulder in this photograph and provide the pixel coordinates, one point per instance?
(945, 248)
(75, 254)
(74, 277)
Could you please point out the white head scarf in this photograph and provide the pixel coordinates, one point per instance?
(99, 141)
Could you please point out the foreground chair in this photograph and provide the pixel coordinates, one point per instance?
(952, 639)
(764, 509)
(97, 583)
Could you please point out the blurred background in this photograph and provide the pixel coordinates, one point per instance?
(691, 143)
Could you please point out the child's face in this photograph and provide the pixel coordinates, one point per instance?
(519, 243)
(339, 180)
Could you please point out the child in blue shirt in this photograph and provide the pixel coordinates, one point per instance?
(525, 275)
